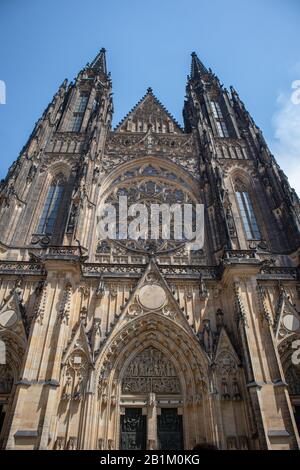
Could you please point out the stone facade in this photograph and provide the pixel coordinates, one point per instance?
(133, 344)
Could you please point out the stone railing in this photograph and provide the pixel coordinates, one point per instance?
(21, 268)
(279, 272)
(207, 272)
(241, 255)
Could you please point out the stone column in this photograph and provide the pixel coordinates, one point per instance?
(152, 422)
(276, 430)
(36, 401)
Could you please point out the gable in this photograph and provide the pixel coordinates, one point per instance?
(149, 113)
(225, 346)
(287, 318)
(152, 294)
(13, 315)
(78, 343)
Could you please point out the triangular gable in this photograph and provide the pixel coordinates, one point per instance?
(141, 301)
(284, 308)
(13, 315)
(79, 342)
(149, 113)
(224, 344)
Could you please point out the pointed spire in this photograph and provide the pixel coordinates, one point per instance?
(99, 63)
(197, 67)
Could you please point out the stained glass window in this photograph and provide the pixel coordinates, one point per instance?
(248, 215)
(220, 122)
(79, 110)
(51, 207)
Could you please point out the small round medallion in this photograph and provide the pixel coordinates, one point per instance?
(152, 297)
(291, 322)
(8, 318)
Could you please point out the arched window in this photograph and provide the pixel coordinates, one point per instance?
(78, 114)
(220, 122)
(51, 206)
(247, 214)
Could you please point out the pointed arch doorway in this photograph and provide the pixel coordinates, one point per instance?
(151, 403)
(151, 364)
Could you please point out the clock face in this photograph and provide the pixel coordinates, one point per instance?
(152, 297)
(291, 322)
(8, 318)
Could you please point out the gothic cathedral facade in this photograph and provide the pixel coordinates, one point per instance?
(136, 344)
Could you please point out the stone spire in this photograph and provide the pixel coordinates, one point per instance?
(99, 63)
(198, 69)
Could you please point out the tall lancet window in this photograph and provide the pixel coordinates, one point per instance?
(248, 215)
(79, 110)
(51, 206)
(220, 122)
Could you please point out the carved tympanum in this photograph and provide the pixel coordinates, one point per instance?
(150, 371)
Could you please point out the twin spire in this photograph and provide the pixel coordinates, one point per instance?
(149, 100)
(198, 69)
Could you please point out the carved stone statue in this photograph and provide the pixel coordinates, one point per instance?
(67, 389)
(78, 390)
(235, 389)
(225, 391)
(208, 337)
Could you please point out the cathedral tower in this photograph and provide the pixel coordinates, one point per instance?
(145, 344)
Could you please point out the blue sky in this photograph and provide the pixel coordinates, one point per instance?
(253, 45)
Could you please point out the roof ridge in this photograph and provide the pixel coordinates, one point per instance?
(131, 111)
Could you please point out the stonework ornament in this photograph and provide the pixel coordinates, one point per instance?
(152, 297)
(150, 371)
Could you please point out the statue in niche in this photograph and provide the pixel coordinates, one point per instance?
(72, 444)
(32, 172)
(208, 337)
(230, 222)
(225, 391)
(219, 319)
(235, 389)
(67, 389)
(73, 218)
(78, 390)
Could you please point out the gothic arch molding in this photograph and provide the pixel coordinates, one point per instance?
(189, 361)
(240, 176)
(10, 374)
(190, 181)
(148, 181)
(57, 168)
(151, 323)
(14, 349)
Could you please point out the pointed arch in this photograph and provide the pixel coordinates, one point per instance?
(246, 204)
(186, 357)
(152, 327)
(180, 175)
(52, 205)
(149, 181)
(10, 374)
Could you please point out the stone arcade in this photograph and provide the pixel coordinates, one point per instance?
(142, 344)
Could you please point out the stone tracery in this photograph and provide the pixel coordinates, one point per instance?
(149, 372)
(151, 184)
